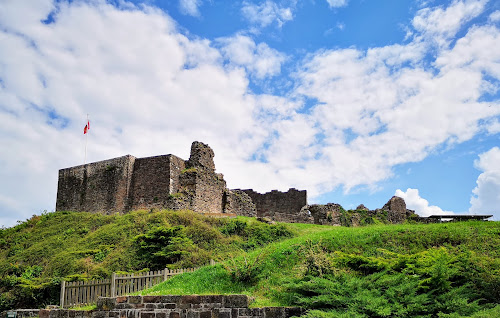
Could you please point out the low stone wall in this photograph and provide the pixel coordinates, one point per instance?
(170, 306)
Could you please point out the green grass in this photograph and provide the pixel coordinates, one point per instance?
(410, 270)
(363, 266)
(37, 254)
(86, 308)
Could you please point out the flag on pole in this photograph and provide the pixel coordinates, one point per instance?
(87, 127)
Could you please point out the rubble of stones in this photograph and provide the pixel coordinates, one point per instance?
(394, 211)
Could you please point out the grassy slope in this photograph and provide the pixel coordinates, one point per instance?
(37, 253)
(468, 253)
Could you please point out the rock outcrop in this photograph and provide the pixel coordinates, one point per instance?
(396, 210)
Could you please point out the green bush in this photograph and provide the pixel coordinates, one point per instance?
(434, 270)
(255, 234)
(162, 246)
(245, 271)
(431, 282)
(80, 246)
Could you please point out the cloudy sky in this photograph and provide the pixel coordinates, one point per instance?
(353, 100)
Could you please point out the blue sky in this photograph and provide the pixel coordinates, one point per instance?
(353, 100)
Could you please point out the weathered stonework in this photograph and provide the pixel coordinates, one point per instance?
(238, 202)
(277, 205)
(129, 183)
(362, 207)
(396, 210)
(167, 306)
(205, 190)
(153, 181)
(202, 157)
(169, 182)
(102, 186)
(326, 213)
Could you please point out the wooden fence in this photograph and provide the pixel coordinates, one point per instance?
(86, 292)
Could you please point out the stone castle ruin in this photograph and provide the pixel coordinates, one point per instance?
(168, 182)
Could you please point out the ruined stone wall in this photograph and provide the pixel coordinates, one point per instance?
(209, 188)
(280, 206)
(396, 210)
(168, 182)
(201, 156)
(329, 213)
(150, 182)
(177, 165)
(97, 187)
(240, 203)
(200, 184)
(153, 181)
(129, 183)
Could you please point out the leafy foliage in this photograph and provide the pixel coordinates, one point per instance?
(36, 254)
(413, 270)
(162, 246)
(244, 271)
(425, 283)
(254, 234)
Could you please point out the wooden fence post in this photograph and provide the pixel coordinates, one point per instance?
(63, 287)
(212, 262)
(83, 292)
(113, 285)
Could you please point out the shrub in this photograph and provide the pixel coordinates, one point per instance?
(162, 246)
(244, 271)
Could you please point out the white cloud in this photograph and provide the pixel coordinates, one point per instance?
(190, 7)
(493, 126)
(259, 59)
(495, 16)
(150, 90)
(473, 53)
(486, 195)
(421, 206)
(439, 24)
(381, 107)
(267, 13)
(337, 3)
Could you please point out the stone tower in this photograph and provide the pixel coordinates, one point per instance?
(202, 156)
(129, 183)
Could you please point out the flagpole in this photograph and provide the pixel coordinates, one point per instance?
(86, 140)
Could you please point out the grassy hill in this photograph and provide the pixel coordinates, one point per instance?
(450, 270)
(36, 254)
(410, 270)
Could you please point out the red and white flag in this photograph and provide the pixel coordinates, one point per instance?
(87, 127)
